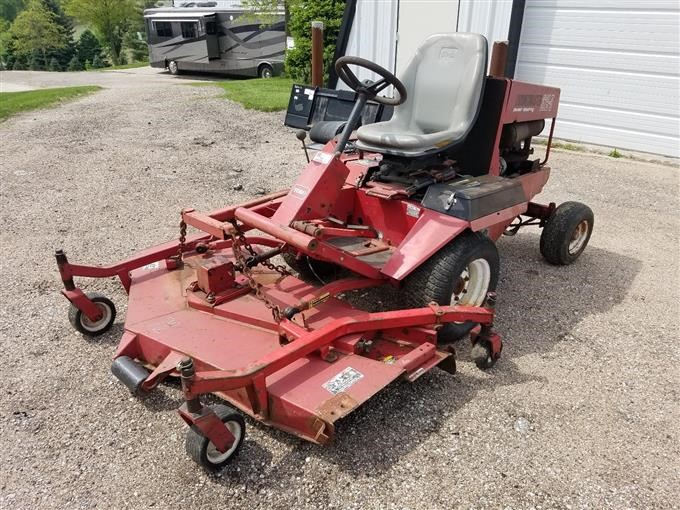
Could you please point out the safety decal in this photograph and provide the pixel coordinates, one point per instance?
(343, 380)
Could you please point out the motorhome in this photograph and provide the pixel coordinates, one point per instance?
(228, 41)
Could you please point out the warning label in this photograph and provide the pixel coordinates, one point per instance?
(343, 380)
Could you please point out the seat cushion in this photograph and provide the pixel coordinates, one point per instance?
(444, 80)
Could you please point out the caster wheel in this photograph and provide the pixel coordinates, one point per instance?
(482, 355)
(93, 328)
(201, 449)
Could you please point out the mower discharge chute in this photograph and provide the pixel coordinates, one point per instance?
(415, 202)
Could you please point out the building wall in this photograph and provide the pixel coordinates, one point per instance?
(618, 65)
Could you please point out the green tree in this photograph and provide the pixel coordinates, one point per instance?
(6, 49)
(75, 64)
(302, 13)
(110, 19)
(63, 55)
(10, 9)
(54, 65)
(36, 62)
(35, 31)
(88, 47)
(97, 62)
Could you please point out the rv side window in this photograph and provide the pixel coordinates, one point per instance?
(188, 30)
(163, 28)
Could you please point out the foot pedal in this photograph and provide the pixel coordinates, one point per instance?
(130, 373)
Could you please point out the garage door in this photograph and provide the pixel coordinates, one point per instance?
(618, 65)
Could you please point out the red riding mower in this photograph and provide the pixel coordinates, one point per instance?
(415, 202)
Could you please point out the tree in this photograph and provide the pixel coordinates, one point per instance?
(97, 62)
(302, 13)
(110, 19)
(10, 9)
(35, 30)
(75, 64)
(63, 55)
(36, 63)
(88, 47)
(54, 65)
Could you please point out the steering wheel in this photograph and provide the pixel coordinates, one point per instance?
(371, 90)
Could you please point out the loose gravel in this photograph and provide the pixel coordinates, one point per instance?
(578, 413)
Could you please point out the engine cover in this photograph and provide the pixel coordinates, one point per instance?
(470, 198)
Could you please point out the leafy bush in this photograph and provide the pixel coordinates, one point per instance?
(19, 65)
(302, 13)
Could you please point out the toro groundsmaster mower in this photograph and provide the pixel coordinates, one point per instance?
(416, 202)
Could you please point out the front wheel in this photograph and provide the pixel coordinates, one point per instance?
(462, 273)
(87, 327)
(566, 233)
(201, 449)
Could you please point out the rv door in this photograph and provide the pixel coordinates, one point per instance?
(212, 38)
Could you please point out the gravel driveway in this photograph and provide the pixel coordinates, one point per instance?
(578, 413)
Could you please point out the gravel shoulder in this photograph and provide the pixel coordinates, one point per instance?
(578, 413)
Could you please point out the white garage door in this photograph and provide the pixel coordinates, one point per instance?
(618, 65)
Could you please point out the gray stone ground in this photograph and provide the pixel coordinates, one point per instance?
(579, 412)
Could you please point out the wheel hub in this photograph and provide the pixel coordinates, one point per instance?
(473, 284)
(578, 237)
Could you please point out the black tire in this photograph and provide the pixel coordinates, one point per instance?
(85, 326)
(566, 233)
(437, 278)
(202, 451)
(481, 355)
(173, 67)
(265, 71)
(320, 269)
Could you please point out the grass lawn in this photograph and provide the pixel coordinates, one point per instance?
(124, 66)
(264, 94)
(12, 103)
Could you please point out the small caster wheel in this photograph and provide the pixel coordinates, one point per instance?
(201, 449)
(482, 355)
(93, 328)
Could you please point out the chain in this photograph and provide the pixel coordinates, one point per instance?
(239, 241)
(182, 239)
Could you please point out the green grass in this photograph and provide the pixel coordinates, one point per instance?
(615, 154)
(124, 66)
(263, 94)
(12, 103)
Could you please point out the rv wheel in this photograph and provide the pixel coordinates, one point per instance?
(173, 67)
(265, 71)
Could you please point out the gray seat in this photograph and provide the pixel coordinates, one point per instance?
(445, 81)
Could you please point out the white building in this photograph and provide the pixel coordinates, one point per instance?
(616, 61)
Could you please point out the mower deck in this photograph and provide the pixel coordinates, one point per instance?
(166, 323)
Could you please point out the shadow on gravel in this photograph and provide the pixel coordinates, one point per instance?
(539, 307)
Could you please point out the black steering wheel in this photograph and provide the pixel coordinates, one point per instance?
(372, 89)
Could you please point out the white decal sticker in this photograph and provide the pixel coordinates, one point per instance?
(152, 266)
(343, 380)
(300, 191)
(310, 93)
(323, 157)
(413, 210)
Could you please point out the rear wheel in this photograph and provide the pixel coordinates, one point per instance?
(265, 71)
(204, 452)
(173, 67)
(566, 233)
(462, 273)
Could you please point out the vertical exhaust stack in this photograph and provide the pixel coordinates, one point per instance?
(499, 58)
(317, 53)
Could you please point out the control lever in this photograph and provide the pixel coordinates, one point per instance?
(301, 135)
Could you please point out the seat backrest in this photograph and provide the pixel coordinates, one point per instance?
(445, 81)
